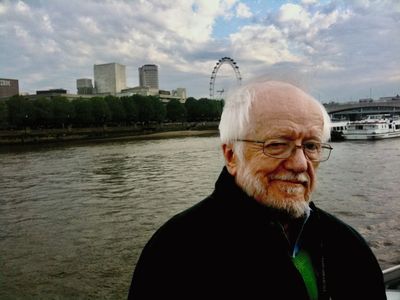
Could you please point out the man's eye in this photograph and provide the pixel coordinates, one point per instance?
(277, 146)
(311, 146)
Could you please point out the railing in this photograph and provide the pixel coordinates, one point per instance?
(391, 278)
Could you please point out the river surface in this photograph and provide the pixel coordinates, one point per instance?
(73, 219)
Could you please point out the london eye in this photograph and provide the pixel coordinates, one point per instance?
(220, 62)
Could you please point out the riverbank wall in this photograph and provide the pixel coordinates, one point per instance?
(36, 136)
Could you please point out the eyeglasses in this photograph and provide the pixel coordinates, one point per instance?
(280, 148)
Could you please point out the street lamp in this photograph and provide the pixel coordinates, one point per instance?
(104, 124)
(26, 123)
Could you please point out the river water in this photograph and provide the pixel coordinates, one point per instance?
(73, 219)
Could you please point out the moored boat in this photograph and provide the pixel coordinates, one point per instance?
(337, 128)
(374, 127)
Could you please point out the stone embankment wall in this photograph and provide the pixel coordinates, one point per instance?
(27, 135)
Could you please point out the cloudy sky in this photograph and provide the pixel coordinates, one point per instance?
(337, 50)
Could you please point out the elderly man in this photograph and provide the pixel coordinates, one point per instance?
(258, 235)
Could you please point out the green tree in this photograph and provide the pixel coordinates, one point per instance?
(175, 110)
(21, 111)
(117, 109)
(217, 106)
(131, 110)
(43, 111)
(63, 111)
(3, 114)
(209, 110)
(159, 111)
(83, 112)
(192, 109)
(145, 108)
(100, 110)
(205, 109)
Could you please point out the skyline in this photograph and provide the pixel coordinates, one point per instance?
(336, 50)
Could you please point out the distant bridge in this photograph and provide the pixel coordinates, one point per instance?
(358, 110)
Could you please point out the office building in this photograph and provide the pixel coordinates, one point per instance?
(8, 87)
(109, 79)
(148, 76)
(84, 86)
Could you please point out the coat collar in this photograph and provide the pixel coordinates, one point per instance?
(243, 207)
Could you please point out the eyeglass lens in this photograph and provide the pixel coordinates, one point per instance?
(284, 149)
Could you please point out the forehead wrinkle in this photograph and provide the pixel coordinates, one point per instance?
(288, 132)
(278, 105)
(289, 123)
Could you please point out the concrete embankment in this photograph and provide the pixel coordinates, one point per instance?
(166, 130)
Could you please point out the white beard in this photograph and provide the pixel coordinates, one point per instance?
(254, 187)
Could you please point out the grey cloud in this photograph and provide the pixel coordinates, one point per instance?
(59, 41)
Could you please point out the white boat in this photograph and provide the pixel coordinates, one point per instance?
(337, 128)
(374, 127)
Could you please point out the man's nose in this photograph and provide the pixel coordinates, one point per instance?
(297, 162)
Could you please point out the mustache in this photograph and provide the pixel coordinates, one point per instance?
(290, 176)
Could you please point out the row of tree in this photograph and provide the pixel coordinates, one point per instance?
(19, 111)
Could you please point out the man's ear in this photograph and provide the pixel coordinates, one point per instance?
(231, 159)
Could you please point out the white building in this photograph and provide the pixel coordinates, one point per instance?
(109, 78)
(148, 76)
(165, 96)
(180, 93)
(138, 90)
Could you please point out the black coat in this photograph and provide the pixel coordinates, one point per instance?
(228, 246)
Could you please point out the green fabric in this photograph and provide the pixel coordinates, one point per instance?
(303, 263)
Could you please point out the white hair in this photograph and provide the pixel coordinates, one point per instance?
(326, 131)
(235, 119)
(235, 115)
